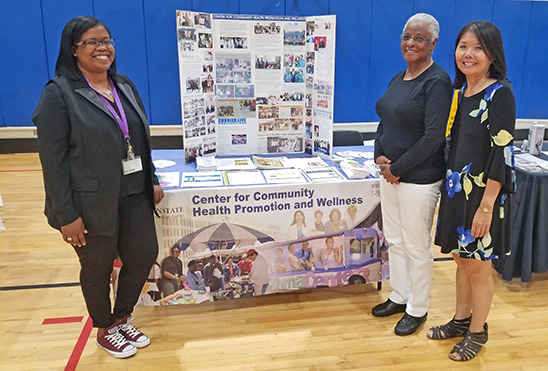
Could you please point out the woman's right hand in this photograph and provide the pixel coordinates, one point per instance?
(384, 164)
(74, 233)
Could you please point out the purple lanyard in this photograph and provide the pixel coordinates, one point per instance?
(121, 118)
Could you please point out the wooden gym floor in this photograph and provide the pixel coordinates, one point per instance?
(44, 324)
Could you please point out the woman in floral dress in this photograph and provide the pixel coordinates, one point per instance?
(474, 211)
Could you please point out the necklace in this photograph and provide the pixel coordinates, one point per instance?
(106, 92)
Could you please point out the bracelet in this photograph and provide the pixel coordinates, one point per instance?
(486, 210)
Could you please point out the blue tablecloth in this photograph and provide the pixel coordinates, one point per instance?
(178, 156)
(529, 218)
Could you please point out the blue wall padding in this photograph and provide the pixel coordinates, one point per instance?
(367, 53)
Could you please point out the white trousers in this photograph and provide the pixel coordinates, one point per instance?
(407, 214)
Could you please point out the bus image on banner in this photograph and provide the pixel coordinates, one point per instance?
(336, 259)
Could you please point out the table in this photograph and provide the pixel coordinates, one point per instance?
(271, 216)
(529, 220)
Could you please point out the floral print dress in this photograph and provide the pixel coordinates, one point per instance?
(481, 148)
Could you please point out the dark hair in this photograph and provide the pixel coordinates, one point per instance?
(175, 247)
(191, 263)
(73, 31)
(490, 40)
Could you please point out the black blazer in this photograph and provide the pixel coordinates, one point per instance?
(80, 144)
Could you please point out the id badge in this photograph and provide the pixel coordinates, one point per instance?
(131, 166)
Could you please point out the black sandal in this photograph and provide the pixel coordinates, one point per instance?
(470, 346)
(453, 328)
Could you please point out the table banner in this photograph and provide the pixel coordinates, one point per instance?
(305, 235)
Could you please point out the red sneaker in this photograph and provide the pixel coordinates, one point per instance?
(115, 343)
(131, 333)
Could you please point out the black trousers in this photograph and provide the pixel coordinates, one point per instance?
(137, 245)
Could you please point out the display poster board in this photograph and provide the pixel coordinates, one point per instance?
(256, 84)
(306, 236)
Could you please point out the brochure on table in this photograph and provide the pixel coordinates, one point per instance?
(256, 84)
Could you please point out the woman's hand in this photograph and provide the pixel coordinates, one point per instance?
(74, 233)
(382, 160)
(158, 194)
(481, 223)
(384, 164)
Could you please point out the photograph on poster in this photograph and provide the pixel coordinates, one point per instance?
(192, 85)
(210, 124)
(319, 43)
(226, 111)
(193, 107)
(294, 60)
(184, 19)
(322, 146)
(207, 83)
(202, 20)
(247, 108)
(210, 103)
(205, 40)
(266, 28)
(224, 64)
(244, 91)
(242, 64)
(266, 125)
(233, 43)
(224, 77)
(242, 77)
(266, 112)
(292, 96)
(239, 138)
(310, 28)
(268, 62)
(279, 144)
(294, 34)
(187, 34)
(224, 91)
(293, 74)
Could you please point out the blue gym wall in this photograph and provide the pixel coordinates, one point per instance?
(367, 56)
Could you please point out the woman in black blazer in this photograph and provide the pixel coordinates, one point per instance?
(94, 146)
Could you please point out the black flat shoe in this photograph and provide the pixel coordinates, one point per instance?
(408, 324)
(387, 308)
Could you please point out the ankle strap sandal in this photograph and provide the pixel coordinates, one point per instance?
(470, 346)
(453, 328)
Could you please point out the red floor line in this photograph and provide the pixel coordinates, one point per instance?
(79, 347)
(53, 321)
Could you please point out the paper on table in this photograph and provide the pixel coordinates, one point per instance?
(244, 177)
(355, 154)
(160, 164)
(169, 178)
(527, 160)
(269, 162)
(202, 179)
(305, 162)
(322, 174)
(241, 163)
(284, 176)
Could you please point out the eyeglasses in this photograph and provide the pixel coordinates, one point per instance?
(418, 39)
(176, 252)
(94, 44)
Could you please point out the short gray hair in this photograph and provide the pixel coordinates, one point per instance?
(430, 21)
